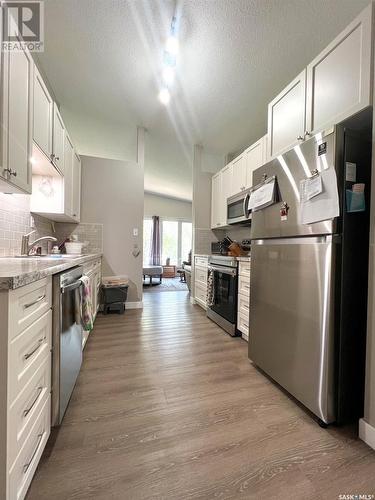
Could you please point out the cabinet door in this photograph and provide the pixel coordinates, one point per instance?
(286, 117)
(254, 156)
(239, 174)
(58, 139)
(17, 119)
(68, 176)
(76, 202)
(215, 200)
(338, 80)
(43, 115)
(226, 192)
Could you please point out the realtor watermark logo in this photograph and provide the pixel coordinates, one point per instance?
(23, 25)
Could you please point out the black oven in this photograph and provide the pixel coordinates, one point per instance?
(223, 278)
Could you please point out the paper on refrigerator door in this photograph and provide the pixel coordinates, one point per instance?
(311, 187)
(324, 205)
(262, 197)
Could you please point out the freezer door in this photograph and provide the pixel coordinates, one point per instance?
(319, 152)
(291, 318)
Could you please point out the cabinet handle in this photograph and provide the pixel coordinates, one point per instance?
(307, 132)
(11, 172)
(39, 299)
(300, 138)
(40, 343)
(28, 410)
(26, 466)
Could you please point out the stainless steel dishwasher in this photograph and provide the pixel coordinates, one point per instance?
(66, 339)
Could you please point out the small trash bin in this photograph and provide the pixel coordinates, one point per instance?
(114, 293)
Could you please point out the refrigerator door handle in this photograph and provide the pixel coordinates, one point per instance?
(308, 240)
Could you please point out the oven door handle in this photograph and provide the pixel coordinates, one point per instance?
(73, 286)
(223, 270)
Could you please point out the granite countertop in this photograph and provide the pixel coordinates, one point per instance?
(20, 271)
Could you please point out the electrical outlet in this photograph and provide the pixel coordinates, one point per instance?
(135, 231)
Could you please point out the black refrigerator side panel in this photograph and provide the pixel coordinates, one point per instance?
(352, 284)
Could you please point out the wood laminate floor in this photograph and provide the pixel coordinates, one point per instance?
(167, 406)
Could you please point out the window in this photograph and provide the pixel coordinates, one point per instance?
(176, 241)
(186, 240)
(169, 241)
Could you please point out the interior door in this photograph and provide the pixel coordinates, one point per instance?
(291, 323)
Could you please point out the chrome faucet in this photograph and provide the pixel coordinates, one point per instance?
(26, 247)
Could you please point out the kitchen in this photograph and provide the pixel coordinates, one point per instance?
(219, 393)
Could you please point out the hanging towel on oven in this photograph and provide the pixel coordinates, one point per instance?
(210, 298)
(86, 304)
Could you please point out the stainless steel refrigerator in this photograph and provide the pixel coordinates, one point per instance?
(308, 300)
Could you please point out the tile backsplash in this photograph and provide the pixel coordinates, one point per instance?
(16, 220)
(204, 237)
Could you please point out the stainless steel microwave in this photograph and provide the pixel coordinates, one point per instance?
(237, 208)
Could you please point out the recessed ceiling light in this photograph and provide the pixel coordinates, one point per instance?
(172, 45)
(164, 96)
(168, 75)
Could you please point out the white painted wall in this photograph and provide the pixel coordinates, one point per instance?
(167, 207)
(112, 194)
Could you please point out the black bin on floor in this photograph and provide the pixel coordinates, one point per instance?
(114, 294)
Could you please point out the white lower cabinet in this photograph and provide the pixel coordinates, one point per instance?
(243, 305)
(93, 270)
(25, 370)
(200, 280)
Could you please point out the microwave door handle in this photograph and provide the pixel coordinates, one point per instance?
(245, 211)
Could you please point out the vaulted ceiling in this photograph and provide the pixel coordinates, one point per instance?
(103, 59)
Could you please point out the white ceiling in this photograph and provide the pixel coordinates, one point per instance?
(103, 60)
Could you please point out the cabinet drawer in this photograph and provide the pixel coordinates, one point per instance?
(201, 275)
(22, 471)
(243, 304)
(244, 269)
(244, 285)
(243, 324)
(27, 352)
(25, 409)
(27, 304)
(201, 293)
(201, 261)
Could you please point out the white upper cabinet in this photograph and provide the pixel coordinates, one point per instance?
(255, 157)
(68, 176)
(227, 186)
(216, 195)
(239, 174)
(58, 138)
(336, 85)
(286, 117)
(17, 121)
(43, 115)
(76, 192)
(338, 80)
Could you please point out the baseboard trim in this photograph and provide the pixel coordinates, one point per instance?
(134, 305)
(367, 433)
